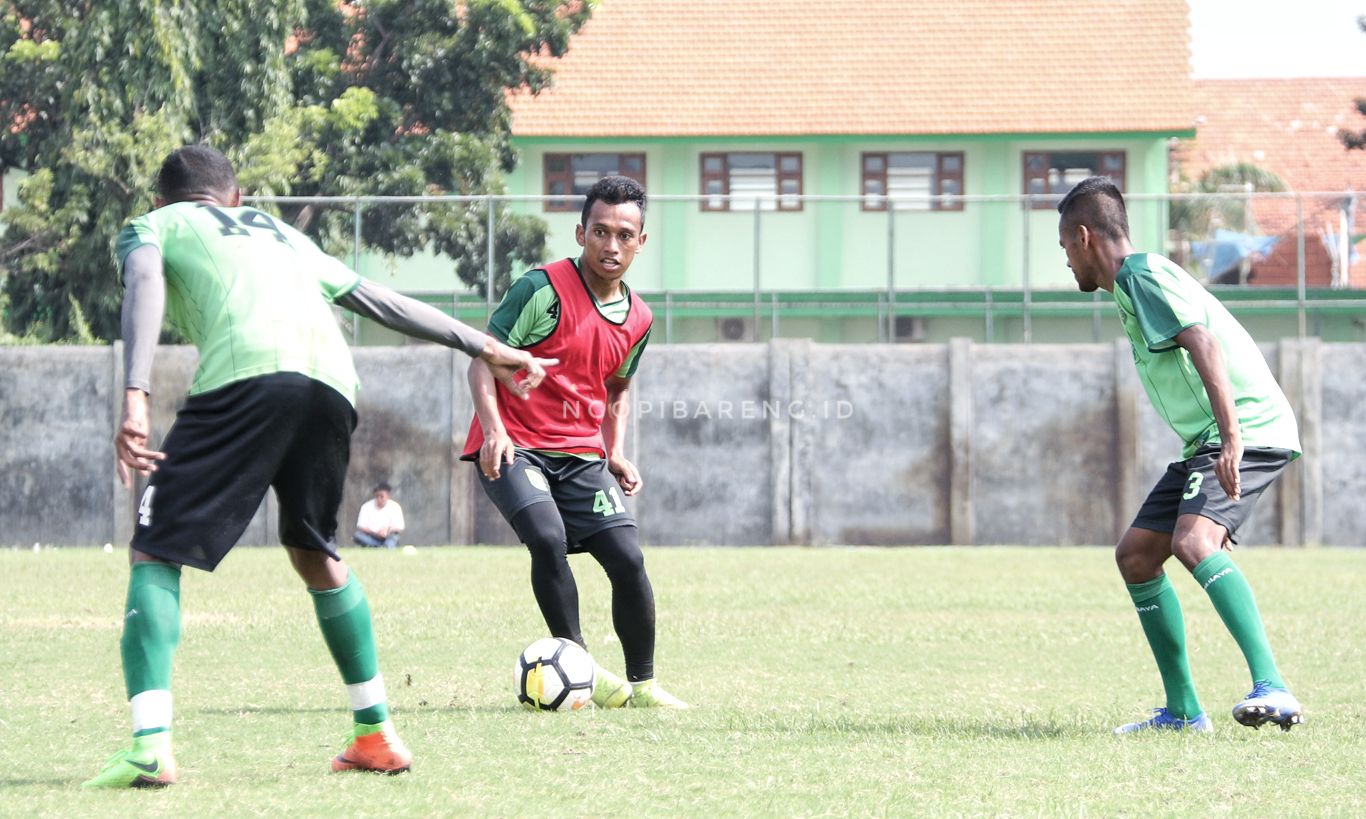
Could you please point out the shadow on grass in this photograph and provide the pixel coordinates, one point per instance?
(408, 710)
(248, 710)
(910, 725)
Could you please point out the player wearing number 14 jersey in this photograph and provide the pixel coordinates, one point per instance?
(1208, 380)
(271, 407)
(555, 464)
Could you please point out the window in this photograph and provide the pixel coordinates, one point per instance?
(908, 179)
(569, 176)
(1051, 175)
(753, 180)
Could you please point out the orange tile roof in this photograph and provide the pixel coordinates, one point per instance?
(765, 68)
(1288, 127)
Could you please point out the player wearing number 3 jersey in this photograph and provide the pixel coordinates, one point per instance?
(1208, 380)
(555, 464)
(271, 406)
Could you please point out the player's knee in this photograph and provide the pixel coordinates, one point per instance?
(548, 550)
(619, 555)
(1191, 547)
(627, 564)
(1135, 566)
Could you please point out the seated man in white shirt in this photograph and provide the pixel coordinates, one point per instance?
(380, 521)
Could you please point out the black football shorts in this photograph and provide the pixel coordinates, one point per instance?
(1190, 487)
(586, 493)
(227, 447)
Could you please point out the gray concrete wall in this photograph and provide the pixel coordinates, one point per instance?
(747, 444)
(56, 456)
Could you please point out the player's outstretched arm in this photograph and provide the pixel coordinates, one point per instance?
(1209, 363)
(144, 303)
(505, 362)
(614, 435)
(497, 448)
(414, 318)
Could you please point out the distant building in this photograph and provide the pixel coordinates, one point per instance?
(880, 99)
(1290, 128)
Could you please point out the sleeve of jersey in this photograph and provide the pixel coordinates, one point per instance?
(527, 313)
(628, 367)
(507, 312)
(137, 233)
(1161, 307)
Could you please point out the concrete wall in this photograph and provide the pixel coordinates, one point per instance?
(786, 442)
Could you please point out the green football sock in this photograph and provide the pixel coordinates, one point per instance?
(151, 626)
(1232, 597)
(151, 631)
(1159, 611)
(344, 616)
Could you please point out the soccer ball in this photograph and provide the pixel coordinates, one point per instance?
(554, 674)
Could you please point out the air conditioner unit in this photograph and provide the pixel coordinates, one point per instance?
(908, 328)
(735, 329)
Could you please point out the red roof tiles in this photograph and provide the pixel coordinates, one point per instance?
(766, 68)
(1288, 127)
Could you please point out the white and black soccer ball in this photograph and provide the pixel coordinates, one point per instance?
(554, 674)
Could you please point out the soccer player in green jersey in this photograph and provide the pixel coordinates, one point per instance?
(1208, 380)
(271, 406)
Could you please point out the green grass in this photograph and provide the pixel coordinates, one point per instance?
(826, 682)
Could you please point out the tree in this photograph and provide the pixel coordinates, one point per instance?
(1356, 140)
(405, 97)
(1200, 216)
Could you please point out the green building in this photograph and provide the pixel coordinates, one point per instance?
(817, 153)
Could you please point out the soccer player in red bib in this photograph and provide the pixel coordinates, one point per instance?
(554, 463)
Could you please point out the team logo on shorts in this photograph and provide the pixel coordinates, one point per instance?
(536, 479)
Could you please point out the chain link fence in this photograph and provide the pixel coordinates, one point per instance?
(868, 269)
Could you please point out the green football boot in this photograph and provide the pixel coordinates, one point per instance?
(648, 694)
(609, 690)
(147, 764)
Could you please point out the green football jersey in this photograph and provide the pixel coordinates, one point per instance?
(1157, 300)
(250, 292)
(530, 311)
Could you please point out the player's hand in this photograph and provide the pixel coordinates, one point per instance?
(1226, 468)
(496, 451)
(505, 362)
(626, 474)
(130, 442)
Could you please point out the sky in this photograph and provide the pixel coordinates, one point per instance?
(1235, 39)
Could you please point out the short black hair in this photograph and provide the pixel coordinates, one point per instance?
(195, 170)
(1097, 203)
(614, 190)
(383, 487)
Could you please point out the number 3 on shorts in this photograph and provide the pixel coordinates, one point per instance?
(1193, 487)
(606, 507)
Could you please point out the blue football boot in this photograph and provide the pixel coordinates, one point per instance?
(1268, 704)
(1163, 720)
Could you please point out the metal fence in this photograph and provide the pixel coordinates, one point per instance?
(985, 266)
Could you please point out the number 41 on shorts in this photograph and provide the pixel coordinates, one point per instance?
(605, 507)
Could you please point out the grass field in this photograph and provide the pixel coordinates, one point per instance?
(826, 682)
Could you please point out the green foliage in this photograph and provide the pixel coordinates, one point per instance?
(1356, 140)
(308, 97)
(1200, 216)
